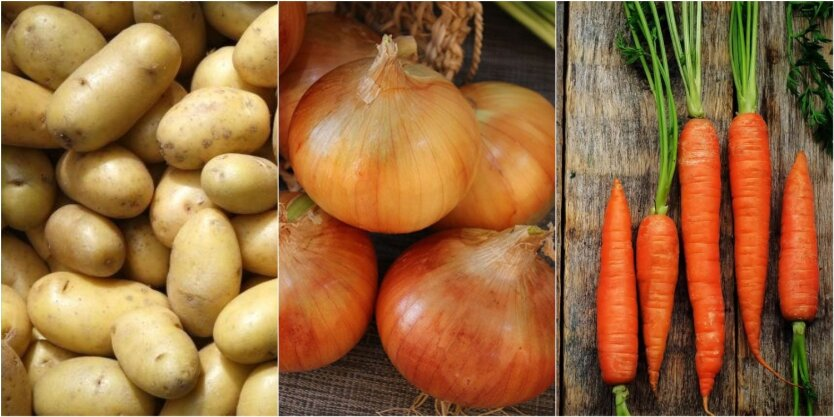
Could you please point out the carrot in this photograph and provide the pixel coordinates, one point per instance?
(799, 273)
(617, 300)
(699, 172)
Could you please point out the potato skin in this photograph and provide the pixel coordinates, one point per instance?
(178, 197)
(111, 181)
(39, 47)
(218, 70)
(147, 259)
(17, 330)
(76, 312)
(242, 184)
(7, 63)
(85, 241)
(17, 393)
(155, 353)
(231, 18)
(24, 106)
(43, 356)
(108, 93)
(246, 330)
(89, 385)
(109, 17)
(21, 266)
(11, 9)
(257, 398)
(184, 20)
(258, 237)
(28, 188)
(256, 53)
(212, 121)
(217, 390)
(205, 270)
(141, 138)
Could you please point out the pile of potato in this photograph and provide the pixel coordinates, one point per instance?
(139, 192)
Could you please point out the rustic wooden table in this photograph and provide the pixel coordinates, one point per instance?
(609, 130)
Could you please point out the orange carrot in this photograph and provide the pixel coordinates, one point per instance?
(617, 299)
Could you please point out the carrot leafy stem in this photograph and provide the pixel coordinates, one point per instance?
(620, 397)
(744, 28)
(688, 51)
(801, 376)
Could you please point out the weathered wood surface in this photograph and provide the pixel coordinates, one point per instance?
(610, 131)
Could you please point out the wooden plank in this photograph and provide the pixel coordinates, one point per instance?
(560, 147)
(759, 392)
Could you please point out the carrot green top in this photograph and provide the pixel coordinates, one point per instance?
(744, 27)
(688, 52)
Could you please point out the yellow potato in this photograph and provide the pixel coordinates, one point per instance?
(242, 184)
(246, 330)
(212, 121)
(205, 270)
(259, 394)
(28, 187)
(256, 53)
(147, 258)
(217, 390)
(110, 17)
(258, 237)
(178, 197)
(21, 266)
(141, 138)
(184, 20)
(217, 70)
(43, 356)
(24, 106)
(231, 18)
(7, 63)
(76, 312)
(109, 92)
(17, 393)
(89, 385)
(111, 181)
(252, 281)
(13, 8)
(17, 330)
(155, 353)
(39, 43)
(85, 241)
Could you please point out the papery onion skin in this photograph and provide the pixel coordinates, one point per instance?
(327, 277)
(468, 316)
(329, 41)
(292, 16)
(516, 180)
(385, 145)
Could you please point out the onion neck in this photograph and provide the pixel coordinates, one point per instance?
(386, 61)
(515, 248)
(299, 206)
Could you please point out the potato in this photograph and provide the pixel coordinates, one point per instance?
(205, 270)
(38, 43)
(146, 258)
(17, 330)
(7, 63)
(85, 241)
(258, 397)
(141, 138)
(76, 312)
(256, 53)
(110, 92)
(217, 70)
(258, 237)
(17, 393)
(28, 189)
(252, 281)
(246, 330)
(24, 105)
(89, 385)
(217, 390)
(13, 8)
(231, 18)
(111, 181)
(184, 20)
(37, 238)
(178, 197)
(212, 121)
(110, 17)
(155, 353)
(43, 356)
(21, 266)
(242, 184)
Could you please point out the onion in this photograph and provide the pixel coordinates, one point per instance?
(468, 316)
(518, 127)
(329, 41)
(327, 281)
(291, 18)
(385, 145)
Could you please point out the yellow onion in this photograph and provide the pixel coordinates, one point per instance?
(518, 127)
(292, 16)
(327, 281)
(329, 41)
(384, 144)
(468, 316)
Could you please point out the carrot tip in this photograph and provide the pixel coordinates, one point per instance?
(706, 406)
(761, 361)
